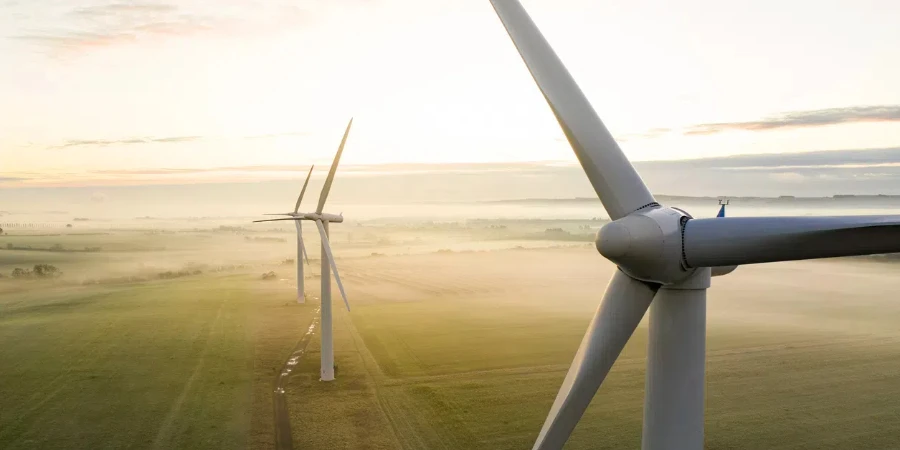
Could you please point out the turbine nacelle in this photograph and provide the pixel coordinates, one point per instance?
(325, 217)
(647, 244)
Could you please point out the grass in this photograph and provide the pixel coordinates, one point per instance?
(451, 350)
(175, 364)
(447, 363)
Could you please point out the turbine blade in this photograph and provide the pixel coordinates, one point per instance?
(276, 220)
(623, 306)
(278, 214)
(729, 241)
(302, 245)
(303, 191)
(327, 247)
(337, 158)
(618, 185)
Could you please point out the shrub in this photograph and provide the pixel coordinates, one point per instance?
(46, 271)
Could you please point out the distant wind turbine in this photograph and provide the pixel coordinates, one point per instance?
(322, 220)
(301, 249)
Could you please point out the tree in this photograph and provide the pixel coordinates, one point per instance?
(46, 271)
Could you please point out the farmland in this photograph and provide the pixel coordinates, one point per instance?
(470, 353)
(459, 337)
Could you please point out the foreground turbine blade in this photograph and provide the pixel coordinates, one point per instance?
(327, 247)
(624, 305)
(337, 158)
(303, 191)
(618, 185)
(729, 241)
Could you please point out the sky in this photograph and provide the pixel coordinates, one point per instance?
(100, 92)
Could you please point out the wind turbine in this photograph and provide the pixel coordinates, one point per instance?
(322, 220)
(301, 249)
(665, 261)
(723, 202)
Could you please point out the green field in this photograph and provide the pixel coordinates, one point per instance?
(455, 341)
(455, 363)
(176, 363)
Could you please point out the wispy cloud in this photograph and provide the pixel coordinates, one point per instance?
(803, 119)
(102, 11)
(131, 141)
(118, 22)
(823, 159)
(277, 135)
(166, 140)
(789, 120)
(395, 169)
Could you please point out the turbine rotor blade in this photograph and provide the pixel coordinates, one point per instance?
(618, 185)
(300, 238)
(277, 220)
(303, 191)
(337, 158)
(624, 304)
(729, 241)
(327, 247)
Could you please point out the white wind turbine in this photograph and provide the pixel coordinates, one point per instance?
(322, 220)
(665, 261)
(301, 249)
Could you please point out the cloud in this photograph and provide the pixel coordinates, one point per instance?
(130, 141)
(409, 168)
(788, 177)
(101, 11)
(814, 173)
(652, 133)
(803, 119)
(839, 161)
(117, 22)
(817, 159)
(176, 139)
(165, 140)
(275, 135)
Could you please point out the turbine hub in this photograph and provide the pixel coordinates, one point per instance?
(647, 245)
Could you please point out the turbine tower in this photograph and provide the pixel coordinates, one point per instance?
(322, 219)
(301, 249)
(665, 260)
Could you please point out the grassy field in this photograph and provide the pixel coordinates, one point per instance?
(459, 339)
(469, 354)
(185, 363)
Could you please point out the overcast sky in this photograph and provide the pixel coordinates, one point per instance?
(116, 92)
